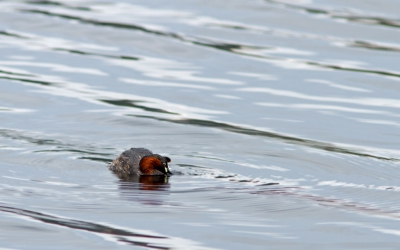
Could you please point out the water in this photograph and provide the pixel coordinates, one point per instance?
(280, 117)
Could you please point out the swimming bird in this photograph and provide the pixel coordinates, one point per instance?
(140, 161)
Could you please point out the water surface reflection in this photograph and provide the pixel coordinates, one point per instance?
(281, 117)
(143, 182)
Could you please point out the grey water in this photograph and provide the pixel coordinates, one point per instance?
(281, 118)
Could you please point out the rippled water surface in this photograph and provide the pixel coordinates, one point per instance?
(281, 119)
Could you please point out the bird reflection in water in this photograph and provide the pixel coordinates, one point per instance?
(146, 189)
(143, 182)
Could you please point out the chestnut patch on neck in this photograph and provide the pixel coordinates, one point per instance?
(149, 164)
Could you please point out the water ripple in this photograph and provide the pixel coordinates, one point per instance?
(260, 52)
(141, 238)
(349, 15)
(198, 117)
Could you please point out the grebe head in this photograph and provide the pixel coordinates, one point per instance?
(155, 165)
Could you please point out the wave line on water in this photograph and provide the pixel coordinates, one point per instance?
(240, 49)
(351, 16)
(89, 152)
(175, 113)
(108, 232)
(371, 101)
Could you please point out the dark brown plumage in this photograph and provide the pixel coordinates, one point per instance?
(140, 161)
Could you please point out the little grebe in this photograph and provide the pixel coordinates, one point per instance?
(140, 161)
